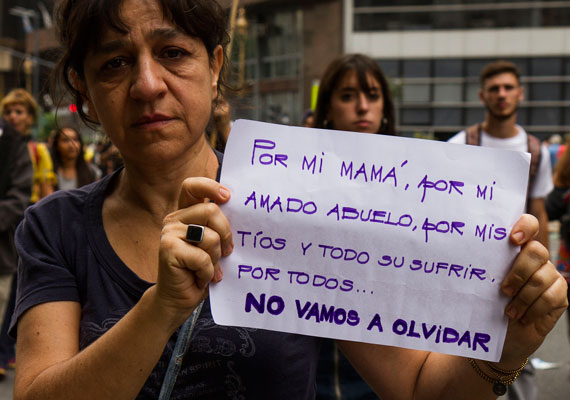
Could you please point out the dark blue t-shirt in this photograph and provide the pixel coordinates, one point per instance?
(66, 256)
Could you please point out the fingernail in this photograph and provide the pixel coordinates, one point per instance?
(519, 236)
(224, 192)
(228, 249)
(508, 290)
(219, 275)
(511, 311)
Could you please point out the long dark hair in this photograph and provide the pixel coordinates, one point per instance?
(80, 23)
(362, 65)
(84, 173)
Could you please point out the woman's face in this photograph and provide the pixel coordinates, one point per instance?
(152, 88)
(352, 109)
(18, 116)
(68, 144)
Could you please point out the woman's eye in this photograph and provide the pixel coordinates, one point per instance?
(115, 63)
(173, 53)
(346, 97)
(374, 96)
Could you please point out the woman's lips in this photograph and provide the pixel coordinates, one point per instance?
(363, 124)
(152, 121)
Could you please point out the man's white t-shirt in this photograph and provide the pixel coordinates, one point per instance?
(543, 179)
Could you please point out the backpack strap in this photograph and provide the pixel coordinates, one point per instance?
(535, 156)
(473, 135)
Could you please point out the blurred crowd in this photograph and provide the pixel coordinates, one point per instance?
(30, 171)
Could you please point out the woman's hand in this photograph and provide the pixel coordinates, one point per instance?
(186, 269)
(537, 292)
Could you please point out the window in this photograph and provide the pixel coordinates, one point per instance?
(545, 116)
(448, 92)
(447, 116)
(566, 115)
(381, 16)
(474, 116)
(545, 91)
(416, 68)
(448, 68)
(546, 66)
(522, 116)
(415, 93)
(472, 92)
(390, 68)
(278, 44)
(567, 91)
(415, 116)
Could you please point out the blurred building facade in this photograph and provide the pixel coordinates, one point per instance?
(27, 46)
(434, 51)
(287, 46)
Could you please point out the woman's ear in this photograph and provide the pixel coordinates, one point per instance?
(215, 68)
(79, 85)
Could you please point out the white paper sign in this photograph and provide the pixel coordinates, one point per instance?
(370, 238)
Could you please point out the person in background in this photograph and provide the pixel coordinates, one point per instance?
(111, 271)
(20, 109)
(107, 157)
(69, 160)
(353, 96)
(558, 208)
(16, 176)
(553, 144)
(89, 151)
(501, 93)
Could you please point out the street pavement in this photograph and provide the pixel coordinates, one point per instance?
(553, 383)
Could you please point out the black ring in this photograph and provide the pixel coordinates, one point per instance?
(195, 233)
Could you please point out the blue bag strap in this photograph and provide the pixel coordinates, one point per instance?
(182, 343)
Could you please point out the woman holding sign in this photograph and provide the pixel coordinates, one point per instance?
(110, 272)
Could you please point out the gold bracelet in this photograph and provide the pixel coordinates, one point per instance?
(505, 372)
(500, 383)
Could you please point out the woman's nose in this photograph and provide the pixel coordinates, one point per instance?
(148, 82)
(363, 103)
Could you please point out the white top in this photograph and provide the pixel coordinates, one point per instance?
(542, 181)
